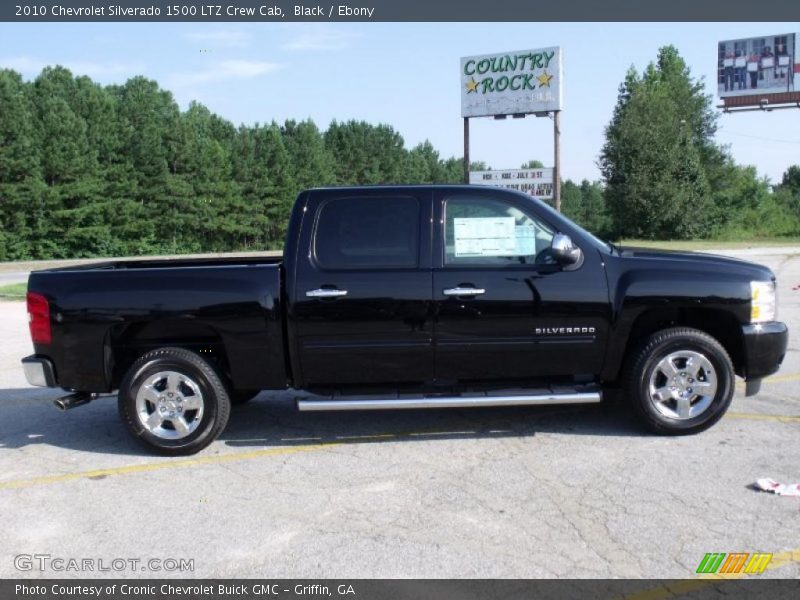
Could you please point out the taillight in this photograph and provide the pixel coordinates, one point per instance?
(39, 318)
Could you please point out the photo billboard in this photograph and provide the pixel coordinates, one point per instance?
(758, 66)
(507, 83)
(534, 182)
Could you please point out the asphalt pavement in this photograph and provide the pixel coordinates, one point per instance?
(509, 493)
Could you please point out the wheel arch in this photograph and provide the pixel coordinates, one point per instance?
(125, 344)
(719, 324)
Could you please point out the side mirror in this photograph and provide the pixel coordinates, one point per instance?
(564, 250)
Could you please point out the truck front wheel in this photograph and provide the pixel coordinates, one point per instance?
(680, 381)
(173, 402)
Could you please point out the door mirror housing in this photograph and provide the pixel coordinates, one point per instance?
(565, 251)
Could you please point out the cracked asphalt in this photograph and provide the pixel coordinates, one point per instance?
(501, 493)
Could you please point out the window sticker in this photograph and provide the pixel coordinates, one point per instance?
(485, 236)
(526, 240)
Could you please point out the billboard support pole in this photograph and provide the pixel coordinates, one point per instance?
(466, 149)
(557, 159)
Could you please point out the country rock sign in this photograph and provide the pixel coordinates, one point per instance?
(505, 83)
(517, 64)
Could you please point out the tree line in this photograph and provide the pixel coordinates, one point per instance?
(90, 170)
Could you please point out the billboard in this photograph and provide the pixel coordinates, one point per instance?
(509, 83)
(758, 66)
(534, 182)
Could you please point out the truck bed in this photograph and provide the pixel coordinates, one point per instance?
(104, 313)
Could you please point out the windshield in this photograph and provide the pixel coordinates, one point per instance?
(555, 216)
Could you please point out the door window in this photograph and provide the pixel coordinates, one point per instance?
(486, 231)
(368, 233)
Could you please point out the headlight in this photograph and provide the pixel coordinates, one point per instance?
(763, 301)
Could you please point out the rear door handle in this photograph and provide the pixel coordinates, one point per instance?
(326, 293)
(463, 291)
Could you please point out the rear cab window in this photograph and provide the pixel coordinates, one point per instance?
(367, 233)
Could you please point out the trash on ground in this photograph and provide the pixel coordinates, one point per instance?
(782, 489)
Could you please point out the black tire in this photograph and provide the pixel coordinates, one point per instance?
(644, 365)
(243, 396)
(204, 424)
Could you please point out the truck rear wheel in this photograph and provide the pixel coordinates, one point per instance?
(680, 381)
(173, 402)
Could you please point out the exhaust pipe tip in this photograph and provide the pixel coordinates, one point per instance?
(73, 400)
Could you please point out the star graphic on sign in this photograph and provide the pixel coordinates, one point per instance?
(544, 79)
(472, 85)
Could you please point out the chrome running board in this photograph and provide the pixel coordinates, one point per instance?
(509, 398)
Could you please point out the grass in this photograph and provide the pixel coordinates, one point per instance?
(712, 244)
(13, 291)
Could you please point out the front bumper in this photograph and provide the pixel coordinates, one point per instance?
(39, 371)
(764, 348)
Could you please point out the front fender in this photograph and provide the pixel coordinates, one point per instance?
(646, 299)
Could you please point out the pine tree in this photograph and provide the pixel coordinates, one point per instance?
(311, 162)
(21, 187)
(424, 165)
(365, 153)
(263, 169)
(149, 120)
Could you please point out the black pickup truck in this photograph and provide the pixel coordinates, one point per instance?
(407, 297)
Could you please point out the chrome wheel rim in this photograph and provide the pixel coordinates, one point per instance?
(170, 405)
(683, 385)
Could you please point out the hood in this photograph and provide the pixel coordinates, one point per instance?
(699, 260)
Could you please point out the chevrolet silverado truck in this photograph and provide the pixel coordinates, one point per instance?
(407, 297)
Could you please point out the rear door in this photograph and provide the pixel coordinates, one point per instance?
(362, 297)
(505, 310)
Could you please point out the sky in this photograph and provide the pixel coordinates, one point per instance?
(406, 75)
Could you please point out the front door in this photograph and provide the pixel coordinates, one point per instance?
(362, 299)
(505, 310)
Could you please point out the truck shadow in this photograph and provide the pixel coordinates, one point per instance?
(276, 422)
(28, 418)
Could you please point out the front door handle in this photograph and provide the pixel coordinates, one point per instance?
(326, 293)
(463, 291)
